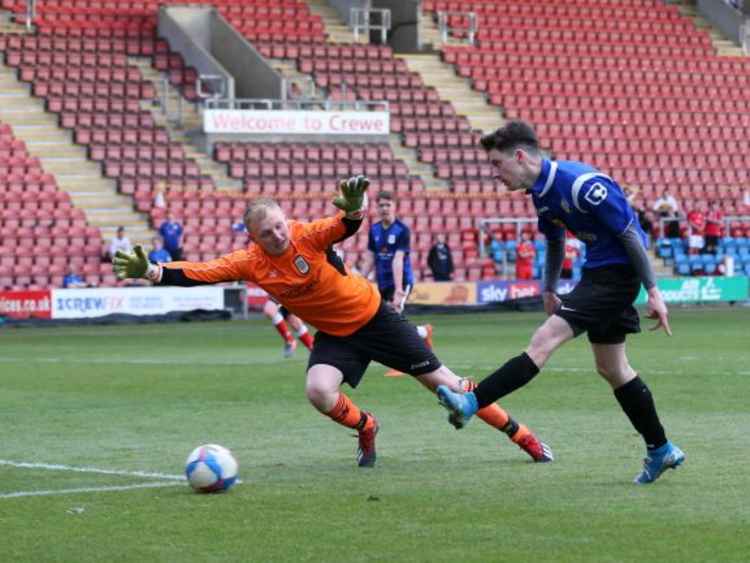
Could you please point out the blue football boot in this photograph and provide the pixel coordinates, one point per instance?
(462, 406)
(659, 460)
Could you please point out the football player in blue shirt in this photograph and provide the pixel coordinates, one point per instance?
(576, 196)
(390, 242)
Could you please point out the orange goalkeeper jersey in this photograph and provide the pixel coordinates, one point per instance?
(309, 279)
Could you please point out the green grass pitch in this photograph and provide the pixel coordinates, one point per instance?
(140, 398)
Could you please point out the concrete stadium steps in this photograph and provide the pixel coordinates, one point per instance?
(724, 47)
(90, 191)
(288, 69)
(417, 168)
(338, 31)
(191, 120)
(455, 89)
(430, 33)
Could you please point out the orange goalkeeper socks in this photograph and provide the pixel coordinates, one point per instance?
(346, 413)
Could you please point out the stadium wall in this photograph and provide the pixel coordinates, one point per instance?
(343, 7)
(253, 76)
(188, 32)
(725, 17)
(404, 33)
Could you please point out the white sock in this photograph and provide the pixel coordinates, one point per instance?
(277, 318)
(302, 330)
(422, 331)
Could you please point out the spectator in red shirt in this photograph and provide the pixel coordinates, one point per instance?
(525, 254)
(696, 225)
(571, 254)
(714, 227)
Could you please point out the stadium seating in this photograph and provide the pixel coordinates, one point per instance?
(37, 220)
(636, 89)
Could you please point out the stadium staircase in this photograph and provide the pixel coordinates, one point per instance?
(336, 29)
(81, 178)
(723, 46)
(179, 131)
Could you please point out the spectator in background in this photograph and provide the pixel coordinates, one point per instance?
(497, 251)
(158, 254)
(696, 226)
(666, 207)
(525, 254)
(630, 194)
(440, 260)
(239, 227)
(646, 219)
(171, 232)
(571, 255)
(714, 227)
(72, 280)
(159, 201)
(120, 242)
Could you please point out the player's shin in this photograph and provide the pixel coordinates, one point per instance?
(282, 328)
(346, 413)
(305, 337)
(515, 373)
(636, 400)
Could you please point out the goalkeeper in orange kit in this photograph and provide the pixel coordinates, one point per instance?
(295, 263)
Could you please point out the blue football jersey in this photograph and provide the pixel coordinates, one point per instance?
(588, 203)
(384, 243)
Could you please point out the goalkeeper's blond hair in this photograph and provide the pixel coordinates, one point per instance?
(257, 210)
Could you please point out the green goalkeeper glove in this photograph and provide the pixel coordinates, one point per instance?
(130, 265)
(353, 198)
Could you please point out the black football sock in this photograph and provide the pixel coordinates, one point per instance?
(515, 373)
(636, 400)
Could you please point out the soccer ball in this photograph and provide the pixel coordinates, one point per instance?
(211, 468)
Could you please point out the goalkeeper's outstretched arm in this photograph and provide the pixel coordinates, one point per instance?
(135, 265)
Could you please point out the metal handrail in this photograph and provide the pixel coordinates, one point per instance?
(175, 118)
(445, 29)
(359, 20)
(323, 104)
(728, 220)
(30, 13)
(211, 79)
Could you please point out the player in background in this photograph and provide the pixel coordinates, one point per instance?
(279, 316)
(525, 254)
(389, 240)
(593, 207)
(295, 263)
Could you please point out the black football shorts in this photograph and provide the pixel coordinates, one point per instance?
(388, 338)
(602, 304)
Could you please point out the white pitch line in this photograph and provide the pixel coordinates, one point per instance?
(105, 489)
(61, 467)
(145, 361)
(247, 363)
(593, 370)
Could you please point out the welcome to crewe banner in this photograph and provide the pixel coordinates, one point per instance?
(88, 303)
(268, 122)
(704, 289)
